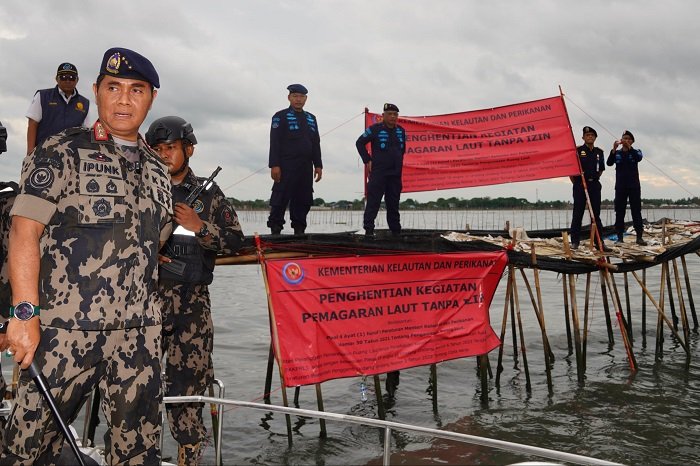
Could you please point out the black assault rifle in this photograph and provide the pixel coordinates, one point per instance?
(177, 266)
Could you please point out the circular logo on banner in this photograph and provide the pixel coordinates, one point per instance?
(293, 273)
(40, 178)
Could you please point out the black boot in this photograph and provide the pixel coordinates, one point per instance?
(299, 231)
(369, 233)
(276, 230)
(640, 241)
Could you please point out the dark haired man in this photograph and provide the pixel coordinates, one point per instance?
(294, 161)
(384, 165)
(627, 186)
(592, 162)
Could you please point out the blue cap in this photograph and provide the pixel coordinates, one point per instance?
(390, 108)
(298, 88)
(127, 64)
(588, 129)
(66, 68)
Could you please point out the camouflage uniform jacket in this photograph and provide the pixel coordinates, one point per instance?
(104, 219)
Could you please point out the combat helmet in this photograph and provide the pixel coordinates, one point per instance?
(169, 129)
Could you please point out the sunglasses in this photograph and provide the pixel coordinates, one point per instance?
(67, 77)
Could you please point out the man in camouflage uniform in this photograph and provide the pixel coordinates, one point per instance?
(208, 227)
(93, 206)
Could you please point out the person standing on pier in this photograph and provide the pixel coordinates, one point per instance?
(209, 227)
(294, 161)
(385, 164)
(592, 162)
(627, 186)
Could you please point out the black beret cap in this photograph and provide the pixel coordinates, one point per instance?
(127, 64)
(627, 133)
(588, 129)
(66, 68)
(297, 88)
(390, 108)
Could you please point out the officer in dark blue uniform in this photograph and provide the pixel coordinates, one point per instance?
(295, 161)
(627, 186)
(592, 162)
(388, 145)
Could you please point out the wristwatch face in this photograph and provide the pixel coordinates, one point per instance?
(204, 231)
(24, 311)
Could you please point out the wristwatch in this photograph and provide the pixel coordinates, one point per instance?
(24, 311)
(203, 232)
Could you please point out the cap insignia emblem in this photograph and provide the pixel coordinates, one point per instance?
(114, 63)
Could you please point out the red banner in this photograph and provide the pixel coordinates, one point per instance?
(520, 142)
(349, 316)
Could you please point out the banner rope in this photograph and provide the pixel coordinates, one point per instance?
(615, 137)
(265, 167)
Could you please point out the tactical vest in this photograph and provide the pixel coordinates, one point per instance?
(57, 115)
(192, 263)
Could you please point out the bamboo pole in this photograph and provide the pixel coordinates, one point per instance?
(319, 402)
(690, 293)
(577, 328)
(434, 386)
(644, 310)
(564, 279)
(545, 340)
(499, 366)
(629, 307)
(621, 323)
(606, 309)
(513, 329)
(275, 339)
(540, 303)
(528, 385)
(684, 315)
(660, 308)
(671, 301)
(584, 343)
(659, 348)
(484, 380)
(380, 401)
(618, 305)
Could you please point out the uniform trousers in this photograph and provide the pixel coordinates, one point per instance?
(388, 186)
(594, 189)
(634, 195)
(188, 343)
(294, 190)
(125, 364)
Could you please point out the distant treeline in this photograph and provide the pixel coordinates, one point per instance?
(473, 203)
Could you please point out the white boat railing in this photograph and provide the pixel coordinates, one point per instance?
(388, 426)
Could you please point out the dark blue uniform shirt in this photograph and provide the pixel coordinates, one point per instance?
(626, 167)
(294, 139)
(388, 148)
(592, 162)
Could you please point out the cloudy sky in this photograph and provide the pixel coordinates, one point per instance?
(224, 66)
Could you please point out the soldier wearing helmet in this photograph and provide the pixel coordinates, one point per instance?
(208, 228)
